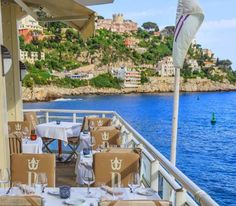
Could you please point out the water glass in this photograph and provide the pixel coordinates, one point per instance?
(41, 180)
(4, 176)
(64, 191)
(92, 142)
(134, 181)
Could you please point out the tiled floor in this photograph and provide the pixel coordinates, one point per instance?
(65, 174)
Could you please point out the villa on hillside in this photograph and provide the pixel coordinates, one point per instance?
(193, 64)
(30, 29)
(131, 42)
(32, 56)
(117, 24)
(165, 67)
(208, 53)
(209, 64)
(131, 77)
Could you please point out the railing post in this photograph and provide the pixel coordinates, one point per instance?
(154, 175)
(168, 192)
(74, 117)
(46, 117)
(180, 197)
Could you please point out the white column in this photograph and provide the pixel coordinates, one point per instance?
(10, 40)
(4, 147)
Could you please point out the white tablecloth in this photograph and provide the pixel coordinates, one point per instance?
(85, 141)
(32, 147)
(81, 163)
(58, 131)
(80, 192)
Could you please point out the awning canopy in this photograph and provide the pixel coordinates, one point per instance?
(94, 2)
(68, 11)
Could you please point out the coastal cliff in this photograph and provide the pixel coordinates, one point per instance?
(156, 85)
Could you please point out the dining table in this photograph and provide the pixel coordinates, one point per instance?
(51, 196)
(60, 131)
(32, 146)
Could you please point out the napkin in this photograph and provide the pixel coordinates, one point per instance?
(26, 189)
(111, 190)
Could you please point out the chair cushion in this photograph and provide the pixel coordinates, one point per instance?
(19, 128)
(104, 135)
(24, 167)
(116, 163)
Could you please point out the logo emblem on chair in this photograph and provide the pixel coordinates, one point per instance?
(18, 127)
(100, 123)
(33, 164)
(116, 164)
(105, 136)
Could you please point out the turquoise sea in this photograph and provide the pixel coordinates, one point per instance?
(206, 153)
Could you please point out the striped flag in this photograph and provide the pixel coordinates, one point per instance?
(189, 18)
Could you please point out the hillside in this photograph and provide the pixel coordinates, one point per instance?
(65, 51)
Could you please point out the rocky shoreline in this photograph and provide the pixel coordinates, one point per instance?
(156, 85)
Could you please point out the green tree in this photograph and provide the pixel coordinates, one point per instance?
(150, 26)
(105, 80)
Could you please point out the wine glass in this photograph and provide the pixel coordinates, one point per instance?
(91, 125)
(117, 191)
(92, 142)
(25, 133)
(134, 181)
(42, 180)
(4, 177)
(88, 178)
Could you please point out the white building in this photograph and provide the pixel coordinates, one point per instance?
(193, 64)
(30, 23)
(165, 67)
(81, 76)
(208, 53)
(31, 57)
(131, 77)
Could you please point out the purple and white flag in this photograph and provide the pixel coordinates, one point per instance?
(189, 18)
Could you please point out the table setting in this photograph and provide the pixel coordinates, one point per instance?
(66, 195)
(32, 145)
(58, 130)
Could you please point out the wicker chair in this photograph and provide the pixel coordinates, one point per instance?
(15, 144)
(17, 130)
(31, 117)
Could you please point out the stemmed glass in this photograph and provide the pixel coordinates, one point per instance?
(88, 178)
(91, 125)
(134, 181)
(92, 142)
(42, 180)
(4, 177)
(25, 133)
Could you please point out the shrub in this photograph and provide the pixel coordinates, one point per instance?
(105, 80)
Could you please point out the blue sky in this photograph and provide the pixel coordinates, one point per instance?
(218, 32)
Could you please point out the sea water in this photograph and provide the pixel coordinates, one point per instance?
(206, 153)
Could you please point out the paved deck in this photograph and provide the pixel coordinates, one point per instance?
(65, 174)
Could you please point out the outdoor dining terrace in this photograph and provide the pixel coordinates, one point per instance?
(96, 156)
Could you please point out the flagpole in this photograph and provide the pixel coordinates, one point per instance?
(175, 116)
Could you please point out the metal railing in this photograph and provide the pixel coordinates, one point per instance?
(157, 171)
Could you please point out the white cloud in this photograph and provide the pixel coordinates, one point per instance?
(220, 24)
